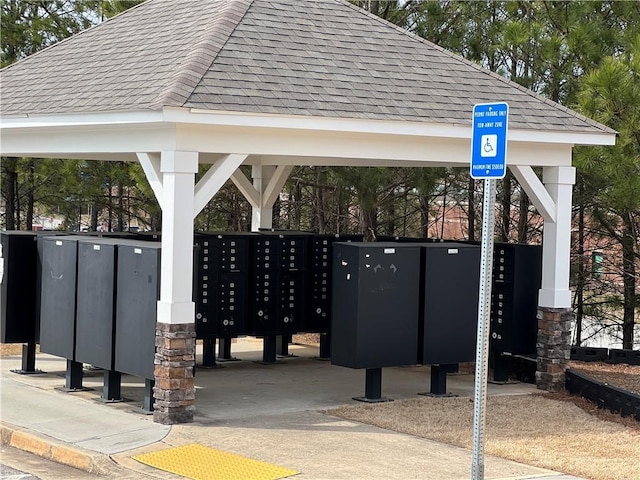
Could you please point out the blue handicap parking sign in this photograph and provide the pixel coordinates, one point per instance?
(489, 140)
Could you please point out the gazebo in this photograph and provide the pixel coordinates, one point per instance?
(274, 84)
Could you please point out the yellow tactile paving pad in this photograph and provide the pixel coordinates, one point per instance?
(203, 463)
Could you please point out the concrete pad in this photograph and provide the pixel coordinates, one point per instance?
(271, 413)
(73, 419)
(324, 447)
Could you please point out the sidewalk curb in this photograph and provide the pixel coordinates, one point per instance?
(53, 450)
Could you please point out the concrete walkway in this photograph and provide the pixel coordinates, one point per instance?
(271, 413)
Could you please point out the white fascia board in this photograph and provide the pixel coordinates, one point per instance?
(299, 122)
(78, 119)
(88, 141)
(567, 138)
(279, 146)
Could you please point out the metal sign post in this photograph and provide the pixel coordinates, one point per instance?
(482, 345)
(488, 161)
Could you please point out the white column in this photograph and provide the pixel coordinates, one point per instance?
(261, 217)
(176, 276)
(556, 239)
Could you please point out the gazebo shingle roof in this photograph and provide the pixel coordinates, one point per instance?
(323, 58)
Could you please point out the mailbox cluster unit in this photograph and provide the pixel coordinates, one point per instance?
(319, 316)
(222, 283)
(404, 303)
(18, 287)
(376, 304)
(98, 301)
(278, 286)
(517, 275)
(267, 283)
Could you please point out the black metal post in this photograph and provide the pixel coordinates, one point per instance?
(373, 383)
(325, 346)
(147, 406)
(29, 358)
(282, 345)
(111, 386)
(438, 380)
(269, 349)
(209, 353)
(373, 387)
(73, 376)
(224, 350)
(501, 367)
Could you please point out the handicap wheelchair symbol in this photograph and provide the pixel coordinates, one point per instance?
(489, 145)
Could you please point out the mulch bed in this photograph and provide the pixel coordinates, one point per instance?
(626, 377)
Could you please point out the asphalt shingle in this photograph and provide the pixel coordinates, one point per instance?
(323, 58)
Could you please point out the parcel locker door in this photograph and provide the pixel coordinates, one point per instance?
(138, 291)
(95, 303)
(18, 287)
(451, 289)
(58, 296)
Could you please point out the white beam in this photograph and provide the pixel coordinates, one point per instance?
(151, 165)
(536, 191)
(556, 239)
(274, 187)
(246, 188)
(176, 272)
(261, 216)
(214, 179)
(277, 146)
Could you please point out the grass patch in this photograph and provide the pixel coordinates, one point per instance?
(538, 430)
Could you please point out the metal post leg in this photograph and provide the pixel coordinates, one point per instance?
(438, 385)
(73, 376)
(111, 386)
(501, 367)
(29, 358)
(373, 383)
(269, 349)
(147, 406)
(438, 380)
(282, 345)
(373, 387)
(208, 353)
(325, 345)
(224, 350)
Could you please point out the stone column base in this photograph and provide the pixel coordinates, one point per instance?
(554, 347)
(174, 391)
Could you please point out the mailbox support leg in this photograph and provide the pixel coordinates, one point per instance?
(28, 360)
(209, 353)
(439, 381)
(282, 346)
(111, 387)
(224, 350)
(269, 347)
(73, 376)
(325, 346)
(501, 368)
(147, 405)
(373, 387)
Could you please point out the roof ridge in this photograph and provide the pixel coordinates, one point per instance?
(486, 71)
(203, 53)
(75, 35)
